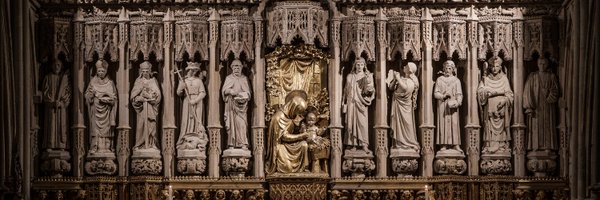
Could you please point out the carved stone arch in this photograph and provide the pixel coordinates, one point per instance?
(304, 19)
(147, 36)
(237, 37)
(450, 35)
(191, 36)
(404, 36)
(358, 37)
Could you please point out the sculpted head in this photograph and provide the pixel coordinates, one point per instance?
(101, 68)
(359, 65)
(311, 118)
(145, 70)
(236, 67)
(542, 64)
(57, 67)
(495, 65)
(410, 68)
(192, 68)
(295, 104)
(449, 68)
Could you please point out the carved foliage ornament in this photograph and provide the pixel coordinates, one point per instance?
(191, 37)
(146, 36)
(237, 36)
(101, 35)
(358, 36)
(306, 20)
(449, 35)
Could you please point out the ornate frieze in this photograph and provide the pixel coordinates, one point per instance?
(449, 33)
(358, 37)
(495, 32)
(147, 34)
(191, 36)
(303, 19)
(403, 32)
(237, 36)
(102, 35)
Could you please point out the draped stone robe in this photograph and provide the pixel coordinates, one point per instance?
(497, 109)
(403, 116)
(357, 107)
(147, 112)
(448, 124)
(56, 93)
(192, 115)
(102, 115)
(541, 94)
(236, 94)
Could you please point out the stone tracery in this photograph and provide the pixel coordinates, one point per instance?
(379, 35)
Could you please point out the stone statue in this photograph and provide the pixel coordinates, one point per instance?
(101, 95)
(449, 96)
(145, 99)
(404, 133)
(236, 94)
(540, 96)
(359, 93)
(496, 99)
(287, 152)
(193, 133)
(56, 91)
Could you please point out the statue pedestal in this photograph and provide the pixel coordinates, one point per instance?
(298, 186)
(191, 161)
(146, 162)
(358, 162)
(496, 164)
(56, 162)
(404, 161)
(235, 161)
(541, 162)
(101, 163)
(450, 161)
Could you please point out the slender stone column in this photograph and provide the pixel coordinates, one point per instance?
(381, 120)
(426, 105)
(214, 84)
(518, 126)
(123, 128)
(335, 101)
(78, 102)
(168, 116)
(473, 126)
(258, 118)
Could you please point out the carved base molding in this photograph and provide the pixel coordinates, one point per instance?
(98, 164)
(495, 164)
(450, 162)
(359, 163)
(191, 162)
(236, 161)
(404, 162)
(298, 188)
(146, 162)
(56, 162)
(541, 163)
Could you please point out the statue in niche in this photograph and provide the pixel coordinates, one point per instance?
(496, 99)
(288, 151)
(404, 103)
(318, 145)
(236, 94)
(449, 96)
(359, 93)
(101, 95)
(145, 98)
(193, 134)
(56, 91)
(540, 96)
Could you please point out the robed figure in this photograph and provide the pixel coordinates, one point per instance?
(145, 98)
(539, 100)
(496, 99)
(359, 92)
(236, 94)
(56, 91)
(404, 99)
(287, 152)
(101, 95)
(449, 97)
(192, 120)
